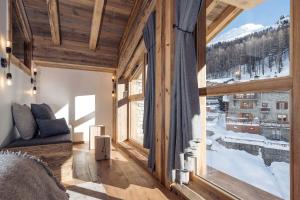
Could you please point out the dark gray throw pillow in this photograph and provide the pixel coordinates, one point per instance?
(42, 111)
(52, 127)
(24, 121)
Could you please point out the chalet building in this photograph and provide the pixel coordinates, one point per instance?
(259, 113)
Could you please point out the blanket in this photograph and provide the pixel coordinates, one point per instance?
(26, 177)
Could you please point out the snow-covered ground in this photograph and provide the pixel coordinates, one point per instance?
(244, 166)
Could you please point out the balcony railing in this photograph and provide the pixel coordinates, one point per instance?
(245, 97)
(265, 110)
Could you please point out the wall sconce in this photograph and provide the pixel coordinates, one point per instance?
(3, 63)
(34, 90)
(7, 63)
(114, 86)
(33, 81)
(9, 79)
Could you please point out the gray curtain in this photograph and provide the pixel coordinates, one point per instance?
(185, 109)
(149, 104)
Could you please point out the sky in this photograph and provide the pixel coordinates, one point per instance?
(265, 14)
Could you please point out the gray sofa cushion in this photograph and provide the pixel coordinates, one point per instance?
(42, 111)
(52, 127)
(66, 138)
(24, 121)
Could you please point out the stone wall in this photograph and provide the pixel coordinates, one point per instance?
(268, 155)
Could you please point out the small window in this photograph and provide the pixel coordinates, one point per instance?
(282, 105)
(136, 83)
(276, 134)
(246, 105)
(282, 118)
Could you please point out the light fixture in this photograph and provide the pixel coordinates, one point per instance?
(113, 94)
(7, 63)
(8, 50)
(34, 90)
(113, 78)
(9, 79)
(3, 62)
(8, 43)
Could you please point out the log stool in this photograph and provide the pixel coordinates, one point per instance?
(102, 147)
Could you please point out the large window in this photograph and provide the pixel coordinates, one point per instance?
(136, 102)
(246, 149)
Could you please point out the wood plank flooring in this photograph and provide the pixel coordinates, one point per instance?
(121, 176)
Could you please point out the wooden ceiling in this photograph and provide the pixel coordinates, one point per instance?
(71, 43)
(104, 33)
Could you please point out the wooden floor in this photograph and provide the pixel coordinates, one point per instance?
(121, 176)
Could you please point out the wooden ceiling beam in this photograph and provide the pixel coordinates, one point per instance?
(243, 4)
(132, 17)
(135, 34)
(96, 23)
(221, 21)
(24, 23)
(210, 5)
(54, 21)
(49, 64)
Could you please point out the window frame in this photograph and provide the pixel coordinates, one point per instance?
(288, 83)
(137, 71)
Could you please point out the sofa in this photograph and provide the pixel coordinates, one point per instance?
(54, 150)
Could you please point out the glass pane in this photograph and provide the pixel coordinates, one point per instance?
(121, 91)
(255, 45)
(136, 84)
(136, 121)
(247, 144)
(122, 122)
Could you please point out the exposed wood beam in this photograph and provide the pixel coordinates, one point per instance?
(54, 21)
(132, 17)
(14, 60)
(96, 23)
(135, 35)
(169, 43)
(201, 65)
(24, 23)
(140, 50)
(281, 84)
(40, 63)
(210, 5)
(222, 20)
(243, 4)
(295, 98)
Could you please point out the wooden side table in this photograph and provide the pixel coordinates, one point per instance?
(102, 147)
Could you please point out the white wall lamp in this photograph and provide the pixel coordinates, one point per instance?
(5, 63)
(33, 81)
(113, 94)
(8, 74)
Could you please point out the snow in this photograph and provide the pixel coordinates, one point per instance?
(269, 73)
(282, 174)
(250, 169)
(238, 32)
(245, 166)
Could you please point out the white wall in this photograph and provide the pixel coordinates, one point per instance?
(19, 92)
(82, 97)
